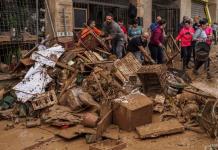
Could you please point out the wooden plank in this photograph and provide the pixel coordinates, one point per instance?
(69, 133)
(68, 83)
(89, 56)
(112, 132)
(27, 61)
(104, 123)
(159, 129)
(100, 62)
(99, 85)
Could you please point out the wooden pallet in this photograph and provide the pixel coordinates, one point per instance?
(128, 66)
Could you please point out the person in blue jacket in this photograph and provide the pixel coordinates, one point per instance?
(134, 30)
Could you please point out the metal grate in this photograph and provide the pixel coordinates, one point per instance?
(20, 25)
(171, 15)
(99, 9)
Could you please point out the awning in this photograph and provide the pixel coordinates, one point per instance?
(113, 3)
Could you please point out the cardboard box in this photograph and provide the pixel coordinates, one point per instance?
(135, 111)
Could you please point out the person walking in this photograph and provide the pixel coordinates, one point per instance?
(202, 48)
(156, 42)
(185, 37)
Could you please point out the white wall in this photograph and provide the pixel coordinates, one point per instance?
(185, 8)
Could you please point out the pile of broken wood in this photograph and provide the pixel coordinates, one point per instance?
(90, 89)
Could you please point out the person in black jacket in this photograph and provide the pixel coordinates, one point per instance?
(138, 45)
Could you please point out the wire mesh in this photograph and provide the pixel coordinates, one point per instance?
(21, 22)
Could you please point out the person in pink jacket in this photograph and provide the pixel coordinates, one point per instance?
(185, 37)
(209, 32)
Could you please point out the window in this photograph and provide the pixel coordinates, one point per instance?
(80, 17)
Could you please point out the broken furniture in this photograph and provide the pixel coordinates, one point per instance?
(173, 81)
(136, 110)
(208, 118)
(150, 77)
(93, 42)
(172, 50)
(66, 42)
(126, 67)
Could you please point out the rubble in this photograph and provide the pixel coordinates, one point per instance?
(44, 100)
(33, 123)
(159, 101)
(208, 118)
(90, 120)
(60, 116)
(109, 145)
(85, 89)
(69, 133)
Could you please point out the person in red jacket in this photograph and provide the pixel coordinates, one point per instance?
(156, 42)
(185, 37)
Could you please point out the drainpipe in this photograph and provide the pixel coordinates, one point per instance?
(207, 11)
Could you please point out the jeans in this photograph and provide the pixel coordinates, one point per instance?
(193, 50)
(199, 63)
(139, 56)
(186, 55)
(118, 48)
(156, 53)
(215, 36)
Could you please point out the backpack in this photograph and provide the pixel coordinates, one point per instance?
(153, 27)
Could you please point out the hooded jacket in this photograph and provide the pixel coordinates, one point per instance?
(185, 35)
(157, 36)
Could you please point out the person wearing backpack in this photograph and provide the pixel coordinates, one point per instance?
(156, 45)
(185, 37)
(202, 48)
(154, 25)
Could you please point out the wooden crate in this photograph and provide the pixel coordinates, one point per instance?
(137, 111)
(128, 65)
(150, 77)
(44, 100)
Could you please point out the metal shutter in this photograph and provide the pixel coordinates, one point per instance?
(197, 9)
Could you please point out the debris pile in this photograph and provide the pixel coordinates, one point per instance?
(87, 89)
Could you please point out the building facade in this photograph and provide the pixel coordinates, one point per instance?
(69, 15)
(174, 10)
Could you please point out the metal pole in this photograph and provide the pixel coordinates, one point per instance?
(50, 19)
(37, 19)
